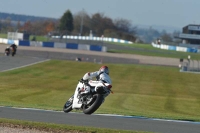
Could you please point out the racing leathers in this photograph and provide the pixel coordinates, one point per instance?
(101, 77)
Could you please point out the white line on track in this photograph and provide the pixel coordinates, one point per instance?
(25, 65)
(114, 115)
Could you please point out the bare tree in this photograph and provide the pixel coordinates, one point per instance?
(166, 37)
(82, 23)
(123, 25)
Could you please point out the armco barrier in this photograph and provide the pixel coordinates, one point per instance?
(55, 45)
(182, 49)
(95, 48)
(172, 48)
(2, 40)
(59, 45)
(192, 50)
(86, 47)
(36, 44)
(48, 44)
(176, 48)
(10, 41)
(24, 43)
(72, 46)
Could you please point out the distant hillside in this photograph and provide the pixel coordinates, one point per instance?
(160, 28)
(22, 18)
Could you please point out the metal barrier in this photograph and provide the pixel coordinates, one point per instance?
(189, 65)
(77, 46)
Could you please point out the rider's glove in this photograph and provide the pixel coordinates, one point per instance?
(84, 81)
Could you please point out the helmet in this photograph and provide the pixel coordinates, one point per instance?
(104, 69)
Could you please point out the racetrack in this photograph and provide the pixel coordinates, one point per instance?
(92, 56)
(9, 63)
(101, 121)
(30, 55)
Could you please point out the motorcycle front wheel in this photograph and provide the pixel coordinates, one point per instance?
(68, 105)
(94, 104)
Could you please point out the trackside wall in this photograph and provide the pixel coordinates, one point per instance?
(55, 45)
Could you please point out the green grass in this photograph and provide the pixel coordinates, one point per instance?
(3, 35)
(149, 50)
(38, 38)
(139, 90)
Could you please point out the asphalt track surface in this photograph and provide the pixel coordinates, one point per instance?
(92, 56)
(9, 63)
(101, 121)
(26, 56)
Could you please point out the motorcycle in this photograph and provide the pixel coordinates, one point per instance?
(88, 103)
(7, 53)
(13, 51)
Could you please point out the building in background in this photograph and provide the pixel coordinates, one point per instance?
(190, 36)
(18, 36)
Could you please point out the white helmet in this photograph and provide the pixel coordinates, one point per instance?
(104, 69)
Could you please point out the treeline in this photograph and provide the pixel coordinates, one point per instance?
(22, 18)
(80, 23)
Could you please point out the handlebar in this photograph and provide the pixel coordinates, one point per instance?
(108, 87)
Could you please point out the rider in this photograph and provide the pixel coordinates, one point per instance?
(14, 47)
(102, 76)
(7, 50)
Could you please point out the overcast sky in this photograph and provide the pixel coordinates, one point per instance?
(175, 13)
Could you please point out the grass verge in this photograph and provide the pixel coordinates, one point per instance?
(149, 50)
(139, 90)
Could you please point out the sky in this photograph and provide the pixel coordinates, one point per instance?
(172, 13)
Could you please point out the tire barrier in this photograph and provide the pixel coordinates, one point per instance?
(176, 48)
(105, 39)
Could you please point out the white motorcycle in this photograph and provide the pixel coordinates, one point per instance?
(88, 103)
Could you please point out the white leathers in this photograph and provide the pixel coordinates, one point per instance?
(101, 77)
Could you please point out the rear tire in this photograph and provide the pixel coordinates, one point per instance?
(68, 105)
(13, 53)
(94, 105)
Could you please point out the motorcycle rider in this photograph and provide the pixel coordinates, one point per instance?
(7, 51)
(102, 76)
(14, 47)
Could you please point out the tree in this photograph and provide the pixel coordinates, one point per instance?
(66, 22)
(123, 25)
(50, 26)
(166, 37)
(27, 27)
(96, 24)
(18, 25)
(125, 29)
(82, 23)
(100, 23)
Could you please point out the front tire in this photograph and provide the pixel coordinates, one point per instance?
(94, 104)
(68, 105)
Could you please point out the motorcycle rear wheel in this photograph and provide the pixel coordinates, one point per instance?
(13, 53)
(94, 104)
(68, 105)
